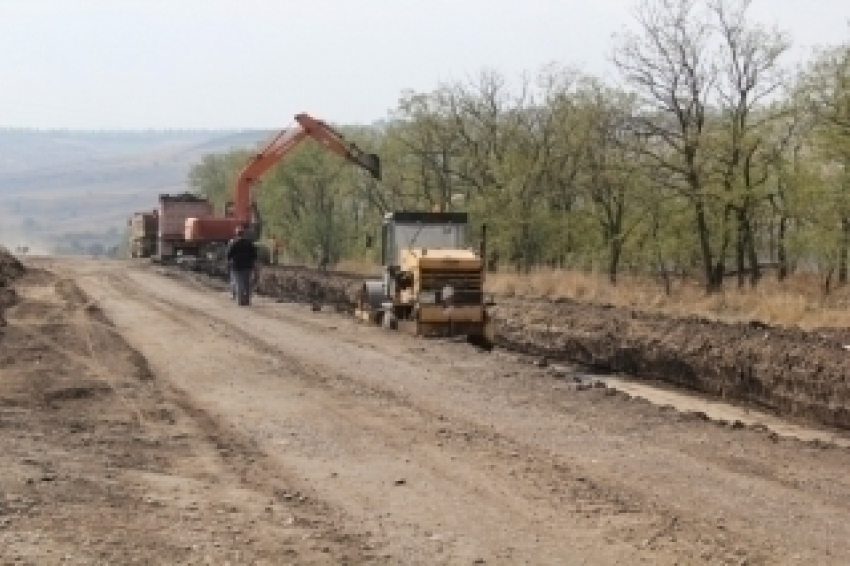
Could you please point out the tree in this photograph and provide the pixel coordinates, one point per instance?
(311, 201)
(668, 63)
(700, 164)
(215, 176)
(748, 73)
(609, 172)
(825, 89)
(701, 72)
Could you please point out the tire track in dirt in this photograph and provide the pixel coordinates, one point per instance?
(244, 458)
(150, 450)
(785, 371)
(760, 456)
(547, 480)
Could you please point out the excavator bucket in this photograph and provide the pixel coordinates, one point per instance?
(371, 163)
(335, 141)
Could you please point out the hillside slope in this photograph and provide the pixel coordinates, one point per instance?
(58, 183)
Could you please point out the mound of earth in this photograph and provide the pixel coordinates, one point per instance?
(299, 284)
(788, 371)
(10, 269)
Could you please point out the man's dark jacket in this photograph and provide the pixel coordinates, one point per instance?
(242, 254)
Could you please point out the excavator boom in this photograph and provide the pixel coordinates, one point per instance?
(334, 141)
(284, 142)
(274, 151)
(217, 229)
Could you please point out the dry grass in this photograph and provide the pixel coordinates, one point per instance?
(798, 301)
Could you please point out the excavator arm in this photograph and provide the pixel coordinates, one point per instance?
(283, 143)
(211, 229)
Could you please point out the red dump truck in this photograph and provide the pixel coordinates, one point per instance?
(173, 212)
(143, 233)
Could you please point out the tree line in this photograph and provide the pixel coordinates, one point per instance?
(710, 157)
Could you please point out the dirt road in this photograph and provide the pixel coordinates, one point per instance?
(276, 434)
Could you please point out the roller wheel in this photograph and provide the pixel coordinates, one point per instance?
(388, 321)
(480, 341)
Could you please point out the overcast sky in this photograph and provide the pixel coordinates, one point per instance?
(255, 63)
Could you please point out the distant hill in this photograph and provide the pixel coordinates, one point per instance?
(56, 183)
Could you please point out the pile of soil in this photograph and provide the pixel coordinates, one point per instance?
(10, 269)
(788, 371)
(296, 284)
(300, 284)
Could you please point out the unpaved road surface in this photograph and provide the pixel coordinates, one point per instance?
(789, 372)
(150, 419)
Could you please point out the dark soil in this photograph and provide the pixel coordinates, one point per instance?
(306, 285)
(787, 371)
(10, 269)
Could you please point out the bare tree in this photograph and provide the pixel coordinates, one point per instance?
(748, 73)
(428, 143)
(609, 173)
(668, 62)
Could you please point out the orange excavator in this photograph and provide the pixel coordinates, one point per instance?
(243, 212)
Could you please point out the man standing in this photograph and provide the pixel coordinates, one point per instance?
(242, 259)
(228, 265)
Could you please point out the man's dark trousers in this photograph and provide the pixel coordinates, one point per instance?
(242, 281)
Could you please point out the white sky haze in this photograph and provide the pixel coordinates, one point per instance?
(126, 64)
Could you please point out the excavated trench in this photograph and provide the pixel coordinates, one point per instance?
(787, 372)
(784, 371)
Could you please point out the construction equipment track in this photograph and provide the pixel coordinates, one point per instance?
(789, 373)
